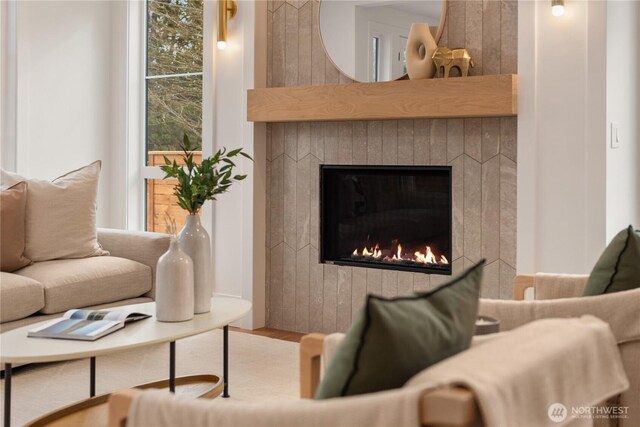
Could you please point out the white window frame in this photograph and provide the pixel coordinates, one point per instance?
(8, 84)
(135, 111)
(137, 170)
(389, 47)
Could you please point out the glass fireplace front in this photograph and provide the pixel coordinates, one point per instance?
(391, 217)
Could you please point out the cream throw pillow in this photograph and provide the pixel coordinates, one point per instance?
(13, 208)
(61, 215)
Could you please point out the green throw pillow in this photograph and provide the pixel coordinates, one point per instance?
(392, 339)
(618, 268)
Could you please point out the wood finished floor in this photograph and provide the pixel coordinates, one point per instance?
(278, 334)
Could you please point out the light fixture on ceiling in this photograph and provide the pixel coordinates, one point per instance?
(226, 10)
(557, 7)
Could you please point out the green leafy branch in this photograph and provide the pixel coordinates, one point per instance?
(198, 183)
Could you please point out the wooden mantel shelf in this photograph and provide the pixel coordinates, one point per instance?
(479, 96)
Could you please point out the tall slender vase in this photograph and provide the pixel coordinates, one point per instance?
(174, 285)
(194, 240)
(420, 47)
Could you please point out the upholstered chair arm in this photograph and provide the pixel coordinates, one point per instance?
(549, 286)
(554, 286)
(619, 309)
(511, 314)
(446, 406)
(139, 246)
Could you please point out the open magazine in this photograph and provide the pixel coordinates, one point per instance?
(87, 325)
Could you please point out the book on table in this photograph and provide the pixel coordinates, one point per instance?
(86, 325)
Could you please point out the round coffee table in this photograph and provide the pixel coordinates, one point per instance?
(17, 348)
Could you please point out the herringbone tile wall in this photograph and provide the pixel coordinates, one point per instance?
(304, 295)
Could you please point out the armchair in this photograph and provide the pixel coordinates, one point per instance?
(560, 296)
(452, 393)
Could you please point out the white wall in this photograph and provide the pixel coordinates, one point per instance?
(67, 78)
(238, 231)
(561, 137)
(623, 107)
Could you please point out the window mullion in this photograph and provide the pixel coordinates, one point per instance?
(167, 76)
(151, 172)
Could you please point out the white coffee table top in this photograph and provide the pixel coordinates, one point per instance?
(16, 347)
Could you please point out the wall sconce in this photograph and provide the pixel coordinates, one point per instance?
(226, 10)
(557, 7)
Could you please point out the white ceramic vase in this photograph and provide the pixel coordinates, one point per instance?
(420, 48)
(194, 241)
(174, 285)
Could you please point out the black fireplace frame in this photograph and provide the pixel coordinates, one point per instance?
(398, 267)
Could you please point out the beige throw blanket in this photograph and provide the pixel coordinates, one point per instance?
(515, 376)
(619, 309)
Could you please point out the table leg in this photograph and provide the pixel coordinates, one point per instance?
(92, 377)
(7, 394)
(225, 361)
(172, 366)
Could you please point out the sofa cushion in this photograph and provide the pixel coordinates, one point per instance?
(618, 268)
(76, 283)
(392, 339)
(19, 297)
(61, 215)
(13, 208)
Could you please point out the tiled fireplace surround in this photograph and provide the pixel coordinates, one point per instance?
(304, 295)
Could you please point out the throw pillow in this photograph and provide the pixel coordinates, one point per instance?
(13, 203)
(9, 179)
(618, 268)
(392, 339)
(61, 215)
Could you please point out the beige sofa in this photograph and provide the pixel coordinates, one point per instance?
(45, 289)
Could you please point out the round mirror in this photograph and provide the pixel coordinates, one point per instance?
(366, 39)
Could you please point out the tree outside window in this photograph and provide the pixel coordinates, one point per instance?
(173, 95)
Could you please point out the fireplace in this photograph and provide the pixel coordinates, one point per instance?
(390, 217)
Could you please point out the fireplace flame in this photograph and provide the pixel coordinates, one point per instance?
(426, 257)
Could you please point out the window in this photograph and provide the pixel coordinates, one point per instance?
(387, 56)
(173, 96)
(402, 53)
(375, 59)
